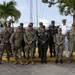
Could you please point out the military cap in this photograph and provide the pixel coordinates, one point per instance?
(40, 23)
(30, 25)
(59, 29)
(52, 21)
(21, 24)
(73, 24)
(64, 20)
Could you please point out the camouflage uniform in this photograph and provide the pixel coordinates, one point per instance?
(30, 36)
(59, 38)
(11, 31)
(4, 37)
(71, 39)
(16, 43)
(23, 43)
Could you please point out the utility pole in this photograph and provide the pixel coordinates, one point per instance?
(31, 10)
(37, 12)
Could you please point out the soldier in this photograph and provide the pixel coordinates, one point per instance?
(16, 43)
(4, 37)
(23, 43)
(59, 45)
(29, 38)
(38, 31)
(71, 40)
(43, 40)
(65, 28)
(36, 35)
(11, 31)
(52, 31)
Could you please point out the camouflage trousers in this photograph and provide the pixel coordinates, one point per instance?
(59, 52)
(30, 49)
(17, 53)
(5, 47)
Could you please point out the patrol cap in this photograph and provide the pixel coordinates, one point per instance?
(21, 24)
(31, 23)
(52, 21)
(64, 20)
(73, 24)
(59, 29)
(40, 23)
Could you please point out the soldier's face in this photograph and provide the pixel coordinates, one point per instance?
(5, 28)
(59, 31)
(41, 26)
(53, 24)
(19, 30)
(73, 27)
(64, 22)
(30, 28)
(43, 30)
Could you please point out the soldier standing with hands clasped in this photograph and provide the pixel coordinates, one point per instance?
(59, 45)
(43, 40)
(29, 38)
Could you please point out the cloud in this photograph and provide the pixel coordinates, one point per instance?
(22, 8)
(45, 22)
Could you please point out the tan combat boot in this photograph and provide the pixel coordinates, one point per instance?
(21, 62)
(70, 61)
(16, 62)
(27, 62)
(32, 61)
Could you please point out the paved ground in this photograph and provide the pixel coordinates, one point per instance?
(38, 69)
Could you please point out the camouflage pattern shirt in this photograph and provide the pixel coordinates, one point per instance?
(16, 39)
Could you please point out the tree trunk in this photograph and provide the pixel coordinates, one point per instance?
(74, 19)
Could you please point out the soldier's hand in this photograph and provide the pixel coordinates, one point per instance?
(30, 42)
(43, 42)
(59, 44)
(13, 46)
(7, 42)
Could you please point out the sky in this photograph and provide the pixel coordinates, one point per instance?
(45, 14)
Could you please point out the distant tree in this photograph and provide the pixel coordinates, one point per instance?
(8, 9)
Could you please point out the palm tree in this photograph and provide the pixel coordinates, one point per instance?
(9, 9)
(66, 7)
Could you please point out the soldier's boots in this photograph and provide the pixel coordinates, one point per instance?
(33, 62)
(45, 61)
(16, 62)
(56, 61)
(41, 61)
(8, 60)
(70, 61)
(21, 62)
(61, 61)
(0, 61)
(27, 62)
